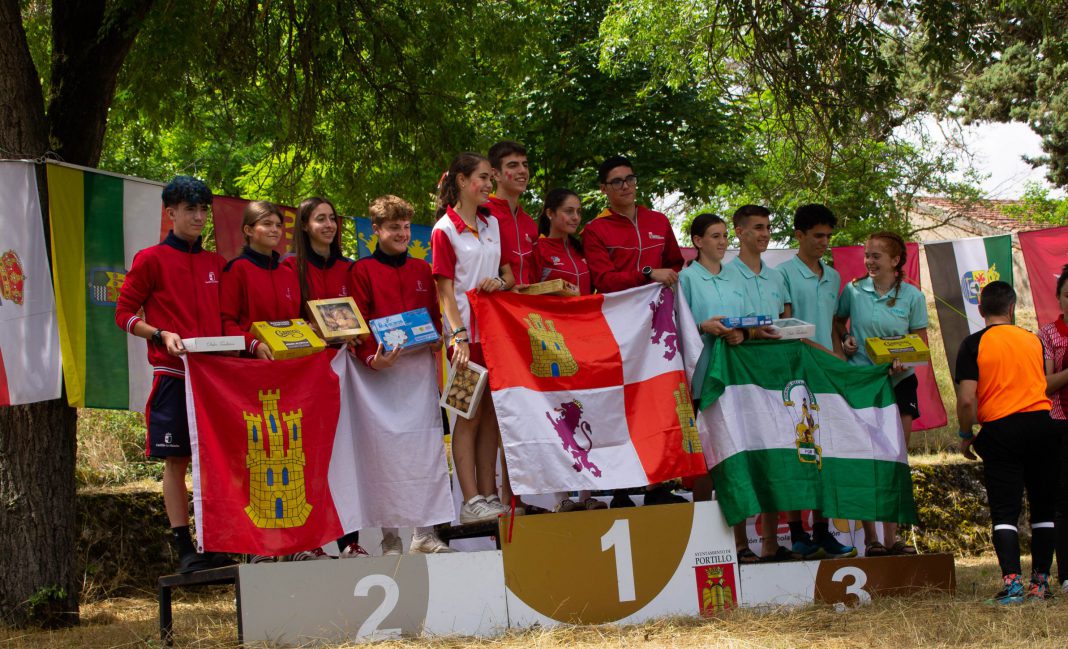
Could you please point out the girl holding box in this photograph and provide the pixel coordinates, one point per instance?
(878, 305)
(322, 270)
(467, 256)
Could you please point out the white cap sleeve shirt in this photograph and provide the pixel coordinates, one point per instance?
(477, 258)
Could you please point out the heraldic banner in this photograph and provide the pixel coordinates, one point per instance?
(285, 459)
(793, 427)
(590, 392)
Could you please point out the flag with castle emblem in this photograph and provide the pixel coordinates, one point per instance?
(591, 392)
(792, 427)
(285, 459)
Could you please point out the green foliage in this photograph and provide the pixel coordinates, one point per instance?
(111, 449)
(1038, 206)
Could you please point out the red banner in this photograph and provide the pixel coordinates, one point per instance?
(849, 262)
(1045, 252)
(229, 239)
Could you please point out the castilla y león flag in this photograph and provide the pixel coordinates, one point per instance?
(591, 392)
(263, 433)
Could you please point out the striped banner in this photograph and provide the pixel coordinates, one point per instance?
(99, 221)
(959, 271)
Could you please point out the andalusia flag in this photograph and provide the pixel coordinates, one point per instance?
(959, 271)
(792, 427)
(591, 392)
(99, 221)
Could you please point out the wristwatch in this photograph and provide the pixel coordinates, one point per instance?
(648, 272)
(157, 336)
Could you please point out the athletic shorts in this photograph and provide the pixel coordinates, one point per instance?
(168, 427)
(905, 395)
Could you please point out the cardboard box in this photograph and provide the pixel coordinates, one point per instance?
(551, 287)
(409, 330)
(747, 322)
(214, 344)
(288, 338)
(338, 318)
(794, 329)
(464, 389)
(909, 349)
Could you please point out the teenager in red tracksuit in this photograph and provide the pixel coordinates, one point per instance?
(323, 272)
(170, 293)
(518, 231)
(628, 244)
(557, 253)
(255, 286)
(387, 283)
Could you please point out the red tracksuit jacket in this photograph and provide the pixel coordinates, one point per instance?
(327, 278)
(518, 235)
(558, 259)
(617, 249)
(177, 285)
(256, 287)
(385, 285)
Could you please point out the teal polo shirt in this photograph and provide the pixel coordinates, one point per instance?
(763, 292)
(871, 315)
(710, 295)
(814, 298)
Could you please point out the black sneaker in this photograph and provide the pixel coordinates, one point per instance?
(662, 495)
(620, 499)
(195, 562)
(220, 559)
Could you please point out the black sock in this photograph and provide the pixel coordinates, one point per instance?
(1043, 540)
(1007, 547)
(820, 530)
(347, 540)
(183, 542)
(797, 531)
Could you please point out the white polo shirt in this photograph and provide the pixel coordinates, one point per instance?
(465, 257)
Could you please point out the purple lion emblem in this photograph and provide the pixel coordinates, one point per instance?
(567, 426)
(664, 323)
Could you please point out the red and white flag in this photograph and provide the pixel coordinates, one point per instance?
(289, 455)
(1045, 252)
(591, 392)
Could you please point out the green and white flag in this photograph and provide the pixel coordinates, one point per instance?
(787, 427)
(959, 271)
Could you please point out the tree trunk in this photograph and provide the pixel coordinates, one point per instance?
(38, 583)
(38, 580)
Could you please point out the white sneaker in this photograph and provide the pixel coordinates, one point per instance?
(352, 551)
(565, 505)
(495, 501)
(429, 544)
(391, 545)
(314, 554)
(1064, 587)
(479, 510)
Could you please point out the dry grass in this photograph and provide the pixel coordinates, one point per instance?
(208, 620)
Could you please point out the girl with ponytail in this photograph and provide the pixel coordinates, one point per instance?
(467, 256)
(876, 305)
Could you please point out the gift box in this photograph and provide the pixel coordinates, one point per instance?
(747, 322)
(794, 329)
(338, 319)
(550, 287)
(463, 389)
(288, 338)
(909, 349)
(214, 344)
(409, 330)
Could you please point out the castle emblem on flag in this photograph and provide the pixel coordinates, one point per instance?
(12, 277)
(105, 284)
(691, 443)
(664, 323)
(551, 355)
(568, 426)
(973, 282)
(805, 411)
(275, 463)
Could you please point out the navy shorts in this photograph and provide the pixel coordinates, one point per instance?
(168, 427)
(908, 403)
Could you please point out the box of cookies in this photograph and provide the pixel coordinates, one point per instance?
(463, 389)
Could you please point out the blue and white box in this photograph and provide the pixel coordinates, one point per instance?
(747, 322)
(409, 330)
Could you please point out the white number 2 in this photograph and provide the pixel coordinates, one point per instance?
(860, 578)
(369, 628)
(618, 537)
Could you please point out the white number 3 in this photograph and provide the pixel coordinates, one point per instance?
(860, 578)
